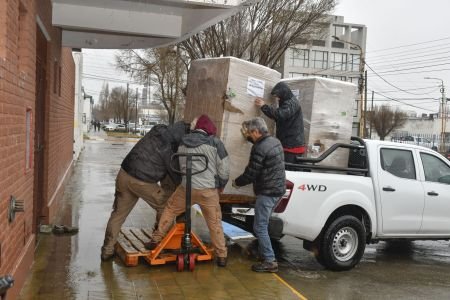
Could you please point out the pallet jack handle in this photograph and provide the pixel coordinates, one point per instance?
(190, 157)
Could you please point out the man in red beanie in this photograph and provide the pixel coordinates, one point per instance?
(205, 186)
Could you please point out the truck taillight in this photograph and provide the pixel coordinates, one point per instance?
(283, 202)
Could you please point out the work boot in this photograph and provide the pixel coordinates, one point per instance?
(106, 256)
(266, 266)
(151, 245)
(221, 261)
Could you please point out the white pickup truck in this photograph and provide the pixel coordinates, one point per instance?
(388, 191)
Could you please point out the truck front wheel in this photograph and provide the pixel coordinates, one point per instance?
(342, 244)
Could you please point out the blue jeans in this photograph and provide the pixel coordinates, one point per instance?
(263, 209)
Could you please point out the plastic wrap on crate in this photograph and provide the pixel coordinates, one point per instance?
(327, 106)
(225, 89)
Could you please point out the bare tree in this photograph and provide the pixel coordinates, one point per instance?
(263, 32)
(385, 120)
(165, 68)
(102, 109)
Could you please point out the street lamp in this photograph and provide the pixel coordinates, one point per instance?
(442, 114)
(362, 112)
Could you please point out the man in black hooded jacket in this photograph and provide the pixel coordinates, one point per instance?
(145, 165)
(289, 120)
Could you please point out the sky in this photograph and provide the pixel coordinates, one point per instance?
(407, 40)
(393, 26)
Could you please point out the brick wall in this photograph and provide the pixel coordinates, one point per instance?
(17, 95)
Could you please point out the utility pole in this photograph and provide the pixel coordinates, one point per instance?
(136, 118)
(361, 84)
(126, 110)
(373, 92)
(365, 105)
(442, 114)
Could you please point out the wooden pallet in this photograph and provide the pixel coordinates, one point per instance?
(236, 199)
(130, 245)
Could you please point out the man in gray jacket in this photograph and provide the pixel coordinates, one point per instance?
(205, 186)
(147, 164)
(265, 170)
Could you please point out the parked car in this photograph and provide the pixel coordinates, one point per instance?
(120, 127)
(388, 191)
(109, 127)
(417, 140)
(145, 129)
(133, 128)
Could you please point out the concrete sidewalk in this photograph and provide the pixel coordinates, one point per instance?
(69, 267)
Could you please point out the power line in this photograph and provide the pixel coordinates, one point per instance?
(394, 86)
(423, 88)
(446, 58)
(414, 68)
(413, 50)
(407, 104)
(93, 76)
(409, 45)
(419, 72)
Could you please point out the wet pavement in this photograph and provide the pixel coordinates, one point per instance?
(69, 267)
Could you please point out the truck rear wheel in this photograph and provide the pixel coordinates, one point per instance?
(342, 244)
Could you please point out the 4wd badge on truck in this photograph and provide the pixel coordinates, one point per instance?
(313, 187)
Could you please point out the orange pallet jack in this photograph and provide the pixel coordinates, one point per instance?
(181, 244)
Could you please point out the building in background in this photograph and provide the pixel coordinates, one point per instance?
(328, 57)
(78, 124)
(88, 106)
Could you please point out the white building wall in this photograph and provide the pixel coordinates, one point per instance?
(78, 109)
(87, 115)
(325, 43)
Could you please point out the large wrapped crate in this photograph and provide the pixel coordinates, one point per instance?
(327, 107)
(225, 90)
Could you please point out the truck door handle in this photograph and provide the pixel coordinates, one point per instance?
(388, 189)
(433, 193)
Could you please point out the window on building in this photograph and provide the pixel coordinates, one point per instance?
(320, 59)
(338, 61)
(337, 44)
(22, 41)
(353, 79)
(299, 58)
(59, 80)
(342, 78)
(28, 153)
(355, 108)
(318, 43)
(354, 61)
(55, 77)
(295, 74)
(339, 31)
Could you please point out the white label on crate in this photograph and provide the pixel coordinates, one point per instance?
(296, 94)
(255, 87)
